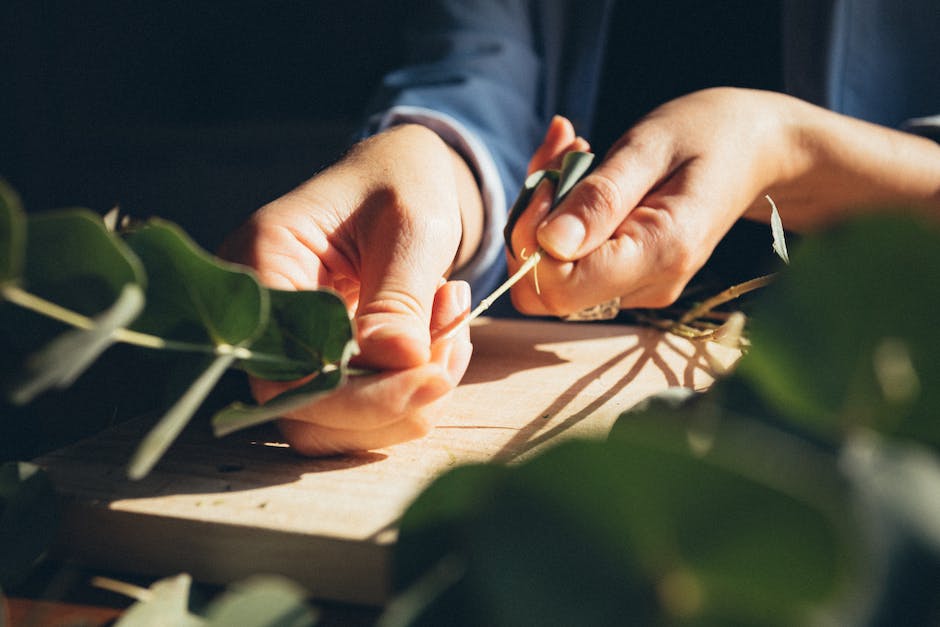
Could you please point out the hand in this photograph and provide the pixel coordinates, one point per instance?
(382, 228)
(649, 216)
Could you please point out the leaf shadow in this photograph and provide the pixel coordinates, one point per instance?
(246, 460)
(650, 344)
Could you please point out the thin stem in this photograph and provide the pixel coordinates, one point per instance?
(18, 296)
(729, 294)
(127, 589)
(487, 302)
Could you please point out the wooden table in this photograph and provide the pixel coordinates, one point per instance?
(225, 509)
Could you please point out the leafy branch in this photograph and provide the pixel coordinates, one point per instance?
(153, 287)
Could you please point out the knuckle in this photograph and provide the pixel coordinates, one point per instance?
(599, 194)
(664, 297)
(556, 303)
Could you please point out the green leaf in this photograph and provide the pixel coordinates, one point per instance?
(903, 479)
(73, 261)
(848, 336)
(241, 416)
(261, 601)
(159, 439)
(166, 603)
(193, 296)
(28, 519)
(305, 331)
(642, 527)
(776, 228)
(573, 167)
(12, 233)
(522, 202)
(62, 360)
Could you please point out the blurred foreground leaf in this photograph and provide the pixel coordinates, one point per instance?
(261, 601)
(639, 530)
(12, 233)
(849, 336)
(60, 362)
(165, 603)
(27, 519)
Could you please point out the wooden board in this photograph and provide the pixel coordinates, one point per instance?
(225, 509)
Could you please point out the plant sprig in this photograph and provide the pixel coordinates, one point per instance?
(154, 288)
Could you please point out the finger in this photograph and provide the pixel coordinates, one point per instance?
(316, 440)
(596, 206)
(646, 263)
(523, 233)
(451, 351)
(377, 401)
(559, 135)
(403, 258)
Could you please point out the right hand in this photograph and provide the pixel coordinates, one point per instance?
(382, 228)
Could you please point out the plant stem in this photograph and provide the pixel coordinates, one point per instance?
(731, 293)
(487, 302)
(18, 296)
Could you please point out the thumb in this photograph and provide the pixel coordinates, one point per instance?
(399, 277)
(591, 212)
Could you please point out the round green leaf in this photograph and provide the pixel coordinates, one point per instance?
(74, 261)
(193, 296)
(305, 331)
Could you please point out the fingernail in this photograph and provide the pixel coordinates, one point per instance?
(551, 125)
(462, 295)
(562, 236)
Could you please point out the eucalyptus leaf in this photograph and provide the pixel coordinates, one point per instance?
(574, 166)
(239, 416)
(28, 519)
(776, 228)
(522, 202)
(62, 360)
(305, 331)
(902, 478)
(73, 261)
(161, 436)
(12, 233)
(167, 603)
(848, 336)
(628, 531)
(193, 296)
(261, 601)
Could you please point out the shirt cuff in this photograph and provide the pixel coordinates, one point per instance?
(481, 162)
(927, 126)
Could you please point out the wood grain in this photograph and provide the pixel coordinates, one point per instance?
(225, 509)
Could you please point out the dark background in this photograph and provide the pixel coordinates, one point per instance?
(200, 112)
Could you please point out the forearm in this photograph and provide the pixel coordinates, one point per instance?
(837, 166)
